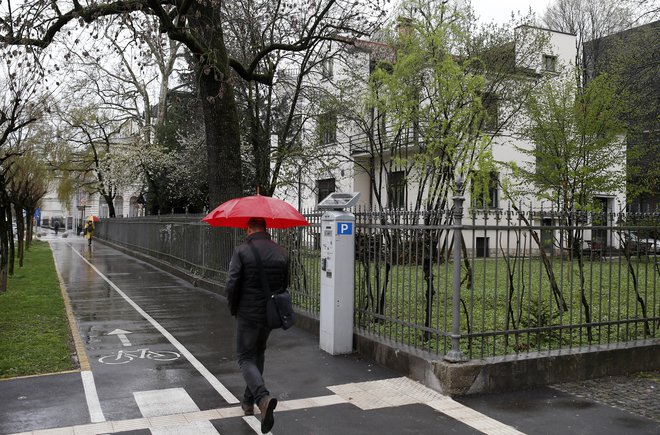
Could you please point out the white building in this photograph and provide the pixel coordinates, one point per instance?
(349, 164)
(83, 205)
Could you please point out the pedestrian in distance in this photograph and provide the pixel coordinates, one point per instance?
(247, 301)
(88, 231)
(56, 227)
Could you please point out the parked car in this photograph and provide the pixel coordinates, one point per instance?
(643, 245)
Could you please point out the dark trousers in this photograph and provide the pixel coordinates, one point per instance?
(251, 341)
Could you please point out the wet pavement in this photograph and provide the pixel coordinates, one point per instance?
(159, 358)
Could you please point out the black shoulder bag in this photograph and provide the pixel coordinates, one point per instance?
(279, 310)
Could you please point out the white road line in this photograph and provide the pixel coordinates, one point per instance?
(154, 403)
(171, 419)
(92, 397)
(215, 383)
(254, 423)
(472, 418)
(165, 410)
(162, 422)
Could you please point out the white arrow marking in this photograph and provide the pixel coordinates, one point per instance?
(121, 334)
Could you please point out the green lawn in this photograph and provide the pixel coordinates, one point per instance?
(530, 315)
(34, 332)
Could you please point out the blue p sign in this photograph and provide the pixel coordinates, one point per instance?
(344, 228)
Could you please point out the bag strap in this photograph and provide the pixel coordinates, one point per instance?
(264, 282)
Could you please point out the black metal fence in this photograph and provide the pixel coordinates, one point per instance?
(522, 282)
(203, 251)
(491, 283)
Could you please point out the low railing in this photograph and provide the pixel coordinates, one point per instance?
(523, 282)
(200, 250)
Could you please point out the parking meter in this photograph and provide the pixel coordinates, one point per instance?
(337, 273)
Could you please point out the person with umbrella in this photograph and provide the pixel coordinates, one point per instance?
(88, 231)
(246, 296)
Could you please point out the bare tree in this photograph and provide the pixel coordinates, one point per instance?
(28, 184)
(93, 151)
(20, 105)
(200, 25)
(129, 69)
(591, 20)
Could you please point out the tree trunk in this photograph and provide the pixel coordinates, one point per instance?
(547, 263)
(29, 218)
(260, 144)
(223, 144)
(10, 237)
(111, 205)
(4, 246)
(20, 233)
(583, 295)
(216, 92)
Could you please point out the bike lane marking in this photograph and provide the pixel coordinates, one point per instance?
(121, 335)
(91, 395)
(215, 383)
(127, 356)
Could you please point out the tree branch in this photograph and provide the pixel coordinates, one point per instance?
(88, 14)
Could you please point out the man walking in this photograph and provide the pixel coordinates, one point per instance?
(247, 301)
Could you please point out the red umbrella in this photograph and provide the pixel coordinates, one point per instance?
(236, 212)
(93, 218)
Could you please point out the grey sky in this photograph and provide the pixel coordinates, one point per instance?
(500, 10)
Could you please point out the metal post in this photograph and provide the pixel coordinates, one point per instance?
(455, 354)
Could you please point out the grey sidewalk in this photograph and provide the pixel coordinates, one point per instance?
(169, 367)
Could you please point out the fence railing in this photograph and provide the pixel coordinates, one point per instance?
(493, 282)
(204, 251)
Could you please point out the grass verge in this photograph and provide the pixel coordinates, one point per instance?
(34, 331)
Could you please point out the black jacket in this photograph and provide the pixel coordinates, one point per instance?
(245, 294)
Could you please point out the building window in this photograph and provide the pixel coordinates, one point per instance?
(550, 63)
(489, 198)
(397, 189)
(482, 247)
(104, 210)
(547, 235)
(327, 68)
(327, 128)
(324, 188)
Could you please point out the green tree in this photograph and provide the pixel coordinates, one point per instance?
(440, 92)
(578, 152)
(440, 96)
(578, 138)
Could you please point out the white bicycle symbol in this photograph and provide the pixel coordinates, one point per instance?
(124, 357)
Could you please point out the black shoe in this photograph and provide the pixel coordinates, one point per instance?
(267, 405)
